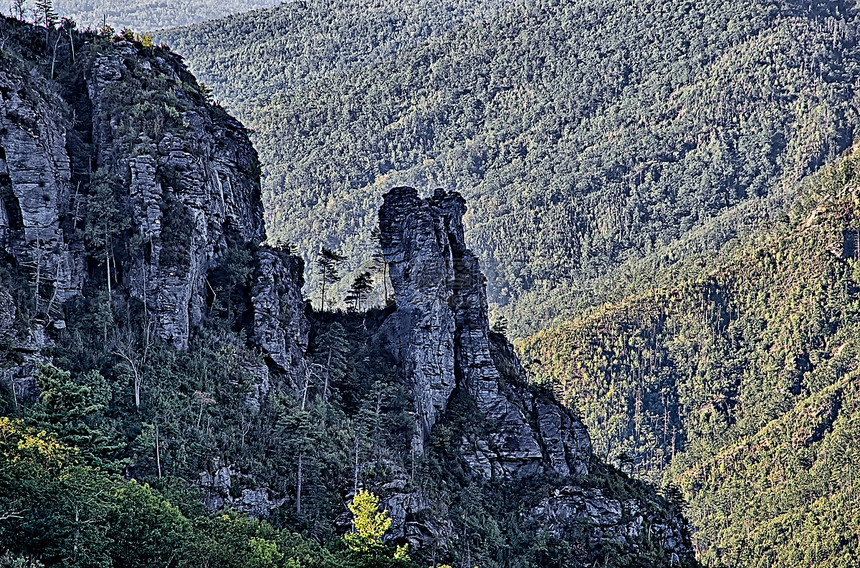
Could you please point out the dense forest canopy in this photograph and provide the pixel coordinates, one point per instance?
(735, 376)
(584, 134)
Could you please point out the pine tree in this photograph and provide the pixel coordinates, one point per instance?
(45, 13)
(362, 284)
(104, 222)
(381, 261)
(71, 409)
(328, 263)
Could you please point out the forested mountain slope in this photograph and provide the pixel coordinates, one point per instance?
(587, 133)
(248, 58)
(150, 15)
(736, 377)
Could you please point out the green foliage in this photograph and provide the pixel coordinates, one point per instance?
(61, 513)
(177, 231)
(733, 377)
(105, 219)
(74, 411)
(231, 281)
(328, 265)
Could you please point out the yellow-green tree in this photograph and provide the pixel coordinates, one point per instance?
(368, 521)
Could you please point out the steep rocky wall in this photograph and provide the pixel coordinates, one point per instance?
(441, 334)
(35, 180)
(201, 178)
(441, 337)
(280, 328)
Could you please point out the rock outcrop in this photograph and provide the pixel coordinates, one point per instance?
(226, 488)
(132, 143)
(280, 328)
(621, 521)
(192, 193)
(35, 186)
(440, 333)
(122, 186)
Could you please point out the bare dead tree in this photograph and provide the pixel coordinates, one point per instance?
(133, 361)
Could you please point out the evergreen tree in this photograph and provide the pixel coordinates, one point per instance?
(45, 13)
(361, 286)
(104, 222)
(328, 263)
(73, 410)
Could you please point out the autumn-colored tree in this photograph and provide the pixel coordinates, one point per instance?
(368, 521)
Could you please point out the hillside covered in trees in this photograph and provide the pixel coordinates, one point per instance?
(588, 134)
(736, 377)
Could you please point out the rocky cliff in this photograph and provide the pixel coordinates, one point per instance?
(118, 178)
(132, 258)
(440, 335)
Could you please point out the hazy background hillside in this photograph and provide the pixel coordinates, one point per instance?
(143, 15)
(584, 134)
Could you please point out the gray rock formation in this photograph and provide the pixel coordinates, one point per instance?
(280, 327)
(621, 521)
(414, 239)
(187, 189)
(226, 488)
(185, 182)
(192, 193)
(7, 313)
(440, 333)
(35, 181)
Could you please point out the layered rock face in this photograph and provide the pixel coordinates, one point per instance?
(183, 191)
(280, 328)
(35, 188)
(192, 195)
(441, 334)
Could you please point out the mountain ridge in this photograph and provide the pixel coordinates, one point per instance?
(726, 373)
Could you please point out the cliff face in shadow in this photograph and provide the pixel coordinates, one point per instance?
(119, 179)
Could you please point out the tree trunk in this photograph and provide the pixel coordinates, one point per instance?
(157, 452)
(385, 280)
(355, 481)
(299, 488)
(107, 264)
